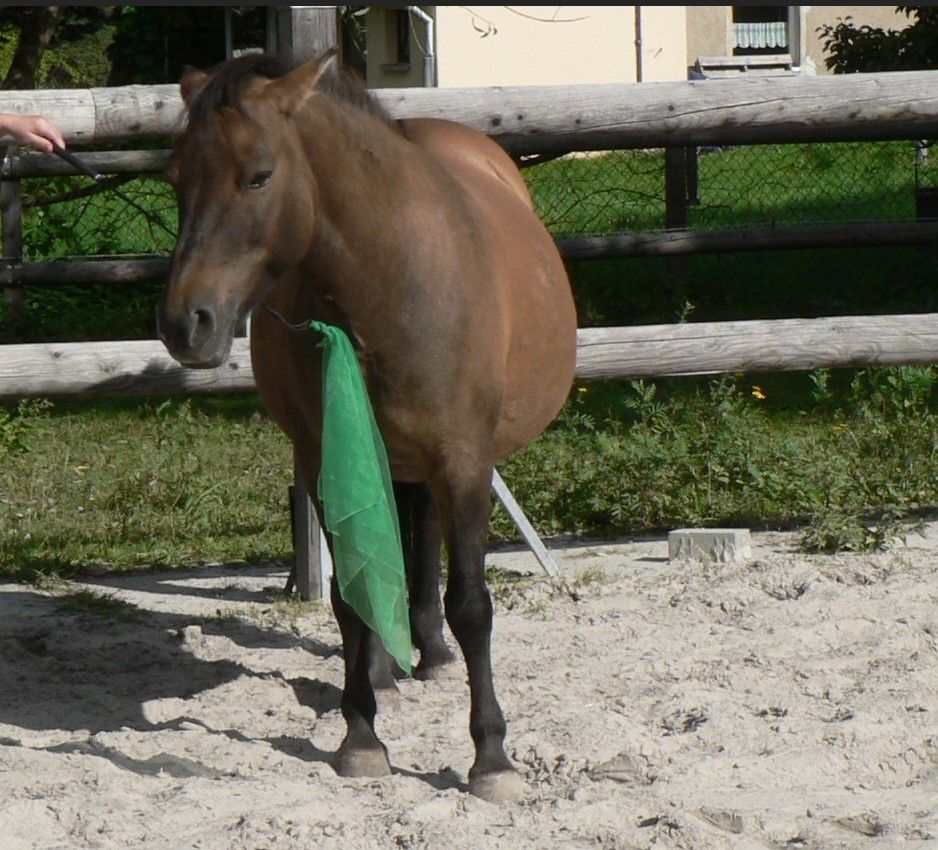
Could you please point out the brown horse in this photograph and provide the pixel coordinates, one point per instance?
(298, 193)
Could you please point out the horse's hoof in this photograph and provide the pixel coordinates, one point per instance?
(388, 699)
(362, 763)
(440, 670)
(506, 786)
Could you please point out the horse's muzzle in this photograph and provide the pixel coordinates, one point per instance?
(197, 337)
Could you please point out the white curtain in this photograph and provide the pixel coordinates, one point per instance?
(760, 35)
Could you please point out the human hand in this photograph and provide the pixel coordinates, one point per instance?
(32, 130)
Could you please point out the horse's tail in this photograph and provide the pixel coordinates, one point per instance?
(408, 497)
(421, 537)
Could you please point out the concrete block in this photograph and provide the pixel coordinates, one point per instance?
(714, 545)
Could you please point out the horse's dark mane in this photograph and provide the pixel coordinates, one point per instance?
(348, 87)
(227, 81)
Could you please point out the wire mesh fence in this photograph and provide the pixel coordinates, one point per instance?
(624, 191)
(74, 217)
(580, 194)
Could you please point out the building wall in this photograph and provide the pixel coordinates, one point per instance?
(533, 45)
(556, 45)
(664, 43)
(380, 70)
(492, 46)
(709, 32)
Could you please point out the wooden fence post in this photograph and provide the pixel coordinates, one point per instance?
(313, 567)
(11, 215)
(675, 187)
(693, 175)
(304, 33)
(675, 217)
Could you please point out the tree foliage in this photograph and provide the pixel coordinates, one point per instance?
(153, 44)
(54, 46)
(853, 48)
(34, 28)
(84, 46)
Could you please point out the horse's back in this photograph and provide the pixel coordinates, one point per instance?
(531, 284)
(468, 151)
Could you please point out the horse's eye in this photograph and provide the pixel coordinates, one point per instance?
(259, 180)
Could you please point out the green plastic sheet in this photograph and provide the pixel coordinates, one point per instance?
(358, 500)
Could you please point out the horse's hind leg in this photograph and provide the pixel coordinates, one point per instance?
(469, 614)
(361, 753)
(422, 536)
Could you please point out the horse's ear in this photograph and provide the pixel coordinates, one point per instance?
(192, 80)
(294, 88)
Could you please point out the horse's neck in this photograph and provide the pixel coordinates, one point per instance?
(354, 160)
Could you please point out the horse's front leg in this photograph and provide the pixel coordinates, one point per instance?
(469, 614)
(361, 753)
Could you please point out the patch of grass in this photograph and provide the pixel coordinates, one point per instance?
(506, 585)
(228, 615)
(102, 606)
(177, 482)
(738, 186)
(589, 576)
(288, 610)
(840, 530)
(15, 424)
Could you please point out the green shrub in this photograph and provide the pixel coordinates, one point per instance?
(15, 426)
(715, 455)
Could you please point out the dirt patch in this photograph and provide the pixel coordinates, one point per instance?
(789, 701)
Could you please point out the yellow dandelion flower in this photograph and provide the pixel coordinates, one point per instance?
(757, 392)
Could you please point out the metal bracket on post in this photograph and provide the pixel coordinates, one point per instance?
(313, 564)
(530, 536)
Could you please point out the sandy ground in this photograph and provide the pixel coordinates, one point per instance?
(787, 702)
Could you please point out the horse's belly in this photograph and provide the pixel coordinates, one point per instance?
(541, 359)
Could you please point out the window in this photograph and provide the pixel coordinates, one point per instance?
(760, 30)
(398, 37)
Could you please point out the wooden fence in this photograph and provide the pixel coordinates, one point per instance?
(527, 121)
(549, 121)
(142, 367)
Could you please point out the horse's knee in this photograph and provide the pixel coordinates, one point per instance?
(469, 612)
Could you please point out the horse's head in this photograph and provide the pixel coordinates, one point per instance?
(245, 197)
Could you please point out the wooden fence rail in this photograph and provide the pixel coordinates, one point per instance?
(116, 270)
(551, 119)
(655, 243)
(21, 163)
(685, 241)
(143, 367)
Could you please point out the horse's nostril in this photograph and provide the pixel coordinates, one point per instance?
(202, 326)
